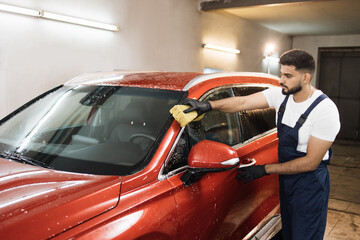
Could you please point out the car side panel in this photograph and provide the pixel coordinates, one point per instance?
(262, 195)
(203, 205)
(148, 212)
(219, 207)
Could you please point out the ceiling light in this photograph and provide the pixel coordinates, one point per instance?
(57, 17)
(219, 48)
(19, 10)
(79, 21)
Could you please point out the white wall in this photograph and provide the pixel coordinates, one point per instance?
(313, 43)
(38, 54)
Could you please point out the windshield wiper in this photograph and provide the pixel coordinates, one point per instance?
(20, 158)
(98, 96)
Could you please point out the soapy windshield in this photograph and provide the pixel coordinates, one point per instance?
(90, 129)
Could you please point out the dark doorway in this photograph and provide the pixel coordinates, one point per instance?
(339, 78)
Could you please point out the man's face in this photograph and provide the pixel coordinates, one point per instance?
(290, 79)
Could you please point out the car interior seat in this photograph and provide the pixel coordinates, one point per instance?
(133, 126)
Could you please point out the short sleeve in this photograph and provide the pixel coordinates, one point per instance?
(274, 97)
(326, 123)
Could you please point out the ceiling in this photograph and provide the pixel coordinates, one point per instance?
(294, 17)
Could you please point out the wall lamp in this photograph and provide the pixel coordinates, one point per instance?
(269, 49)
(272, 59)
(219, 48)
(58, 17)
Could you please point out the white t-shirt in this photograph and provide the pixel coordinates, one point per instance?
(323, 122)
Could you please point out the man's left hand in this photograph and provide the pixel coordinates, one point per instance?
(251, 173)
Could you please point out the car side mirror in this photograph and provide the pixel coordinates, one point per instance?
(208, 156)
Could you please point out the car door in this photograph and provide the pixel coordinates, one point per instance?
(217, 206)
(259, 144)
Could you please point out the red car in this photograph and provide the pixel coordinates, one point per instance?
(100, 157)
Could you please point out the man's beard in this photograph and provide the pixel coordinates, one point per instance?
(292, 90)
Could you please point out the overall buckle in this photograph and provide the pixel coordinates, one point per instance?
(302, 119)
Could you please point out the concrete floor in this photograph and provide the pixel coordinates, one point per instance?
(343, 220)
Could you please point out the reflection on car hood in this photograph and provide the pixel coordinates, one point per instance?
(37, 203)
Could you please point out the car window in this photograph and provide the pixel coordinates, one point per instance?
(179, 155)
(106, 130)
(254, 122)
(217, 126)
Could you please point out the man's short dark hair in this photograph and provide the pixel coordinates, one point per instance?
(300, 59)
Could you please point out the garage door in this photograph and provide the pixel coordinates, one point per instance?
(339, 78)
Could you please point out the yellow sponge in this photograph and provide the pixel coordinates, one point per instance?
(184, 118)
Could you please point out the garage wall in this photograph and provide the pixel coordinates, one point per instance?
(227, 30)
(313, 43)
(38, 54)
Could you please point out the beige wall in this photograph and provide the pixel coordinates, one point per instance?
(313, 43)
(38, 54)
(250, 38)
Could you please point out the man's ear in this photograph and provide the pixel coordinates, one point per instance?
(307, 77)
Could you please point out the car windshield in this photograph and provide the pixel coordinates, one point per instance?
(103, 130)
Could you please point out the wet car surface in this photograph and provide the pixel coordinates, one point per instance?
(100, 157)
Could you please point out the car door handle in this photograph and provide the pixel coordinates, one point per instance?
(251, 161)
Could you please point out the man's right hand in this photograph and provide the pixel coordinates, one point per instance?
(195, 105)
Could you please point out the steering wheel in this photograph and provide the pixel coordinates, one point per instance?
(143, 135)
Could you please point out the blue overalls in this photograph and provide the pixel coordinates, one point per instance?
(303, 197)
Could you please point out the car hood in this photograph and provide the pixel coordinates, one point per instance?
(38, 203)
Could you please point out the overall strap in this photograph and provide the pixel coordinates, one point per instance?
(282, 110)
(304, 116)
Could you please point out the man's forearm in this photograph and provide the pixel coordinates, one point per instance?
(316, 150)
(228, 105)
(299, 165)
(236, 104)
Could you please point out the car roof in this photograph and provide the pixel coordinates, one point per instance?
(180, 81)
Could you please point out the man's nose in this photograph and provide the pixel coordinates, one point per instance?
(281, 79)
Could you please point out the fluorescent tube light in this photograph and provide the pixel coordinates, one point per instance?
(273, 59)
(57, 17)
(78, 21)
(219, 48)
(19, 10)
